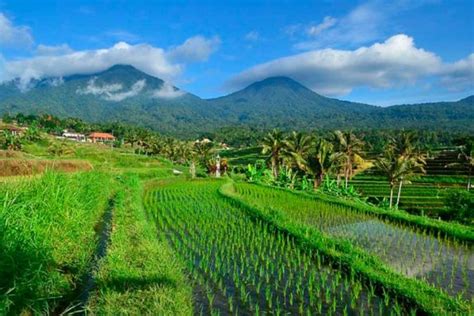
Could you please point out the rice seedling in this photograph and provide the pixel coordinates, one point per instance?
(443, 262)
(261, 270)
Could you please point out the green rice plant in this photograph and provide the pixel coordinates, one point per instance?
(298, 216)
(203, 228)
(413, 251)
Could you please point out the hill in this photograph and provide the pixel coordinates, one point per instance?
(123, 93)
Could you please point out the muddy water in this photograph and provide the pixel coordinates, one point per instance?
(443, 263)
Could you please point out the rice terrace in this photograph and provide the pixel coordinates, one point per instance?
(253, 188)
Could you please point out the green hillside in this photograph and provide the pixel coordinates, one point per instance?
(123, 93)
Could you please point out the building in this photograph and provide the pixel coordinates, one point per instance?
(13, 129)
(98, 137)
(74, 136)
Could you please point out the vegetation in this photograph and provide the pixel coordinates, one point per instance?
(134, 230)
(275, 102)
(47, 238)
(348, 257)
(244, 266)
(139, 274)
(409, 250)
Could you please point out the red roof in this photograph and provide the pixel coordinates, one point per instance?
(101, 135)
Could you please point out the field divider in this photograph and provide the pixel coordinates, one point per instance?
(88, 281)
(448, 229)
(344, 255)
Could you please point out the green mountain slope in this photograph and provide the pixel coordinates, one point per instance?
(123, 93)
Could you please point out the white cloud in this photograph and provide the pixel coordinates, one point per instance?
(167, 91)
(14, 36)
(61, 61)
(147, 58)
(252, 36)
(459, 75)
(46, 50)
(327, 23)
(194, 49)
(112, 92)
(361, 25)
(395, 62)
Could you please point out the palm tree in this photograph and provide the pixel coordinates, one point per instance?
(404, 146)
(203, 150)
(320, 161)
(273, 144)
(348, 148)
(397, 169)
(466, 155)
(296, 148)
(411, 166)
(391, 167)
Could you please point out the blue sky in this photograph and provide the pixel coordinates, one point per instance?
(367, 51)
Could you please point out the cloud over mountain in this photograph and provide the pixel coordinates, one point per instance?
(60, 61)
(112, 92)
(394, 62)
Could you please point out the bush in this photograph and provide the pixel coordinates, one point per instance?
(460, 206)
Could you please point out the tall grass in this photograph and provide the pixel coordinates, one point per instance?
(47, 238)
(140, 274)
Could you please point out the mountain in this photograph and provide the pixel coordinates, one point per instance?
(126, 94)
(285, 102)
(119, 93)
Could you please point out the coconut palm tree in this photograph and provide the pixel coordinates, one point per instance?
(320, 161)
(398, 169)
(296, 148)
(411, 166)
(348, 148)
(391, 167)
(273, 145)
(466, 155)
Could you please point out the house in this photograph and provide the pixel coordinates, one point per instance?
(98, 137)
(73, 136)
(13, 129)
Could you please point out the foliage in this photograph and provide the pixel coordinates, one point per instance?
(47, 238)
(460, 206)
(140, 274)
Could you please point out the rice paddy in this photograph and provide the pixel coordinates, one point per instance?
(243, 266)
(445, 263)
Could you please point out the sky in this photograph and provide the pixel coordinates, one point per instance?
(376, 52)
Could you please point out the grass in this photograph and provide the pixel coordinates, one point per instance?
(140, 274)
(47, 238)
(419, 293)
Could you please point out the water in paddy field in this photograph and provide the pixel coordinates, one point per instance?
(239, 266)
(445, 263)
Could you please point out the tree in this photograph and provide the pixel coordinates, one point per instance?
(348, 151)
(319, 161)
(10, 141)
(391, 167)
(404, 146)
(466, 155)
(296, 148)
(397, 169)
(273, 145)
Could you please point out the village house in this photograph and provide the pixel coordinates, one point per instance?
(13, 129)
(73, 136)
(98, 137)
